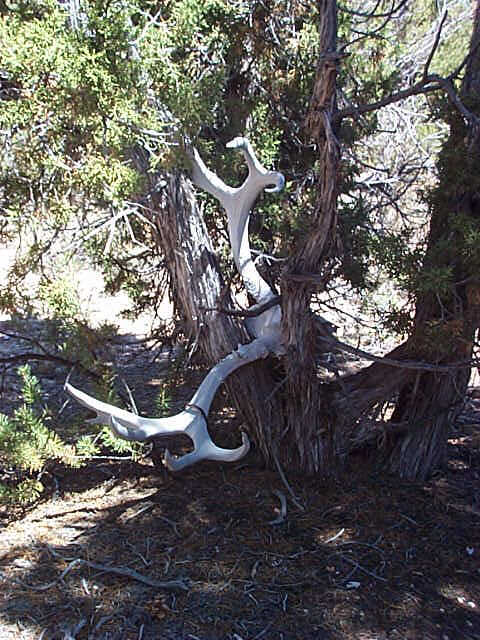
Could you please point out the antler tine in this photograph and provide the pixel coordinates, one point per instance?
(254, 165)
(127, 425)
(238, 203)
(206, 179)
(192, 421)
(205, 448)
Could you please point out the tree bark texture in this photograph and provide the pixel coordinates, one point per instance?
(310, 435)
(328, 421)
(423, 404)
(296, 418)
(445, 325)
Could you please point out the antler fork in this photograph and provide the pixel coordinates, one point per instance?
(192, 421)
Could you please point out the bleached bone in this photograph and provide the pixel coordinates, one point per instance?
(237, 202)
(192, 421)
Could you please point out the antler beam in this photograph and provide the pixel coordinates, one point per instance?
(265, 328)
(237, 203)
(192, 421)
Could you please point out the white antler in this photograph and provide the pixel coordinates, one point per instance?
(192, 421)
(238, 202)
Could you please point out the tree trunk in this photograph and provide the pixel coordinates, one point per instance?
(293, 416)
(445, 323)
(310, 437)
(326, 422)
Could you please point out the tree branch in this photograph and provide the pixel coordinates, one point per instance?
(179, 583)
(426, 85)
(28, 356)
(362, 14)
(252, 312)
(401, 364)
(435, 45)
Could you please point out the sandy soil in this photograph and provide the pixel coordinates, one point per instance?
(368, 558)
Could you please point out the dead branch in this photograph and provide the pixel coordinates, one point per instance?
(401, 364)
(286, 483)
(372, 14)
(360, 568)
(435, 44)
(41, 587)
(427, 84)
(179, 583)
(254, 311)
(45, 355)
(28, 356)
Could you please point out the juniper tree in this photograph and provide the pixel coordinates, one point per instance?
(116, 141)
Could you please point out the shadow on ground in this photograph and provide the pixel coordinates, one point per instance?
(369, 558)
(366, 558)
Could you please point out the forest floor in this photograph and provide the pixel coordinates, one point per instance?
(366, 557)
(121, 550)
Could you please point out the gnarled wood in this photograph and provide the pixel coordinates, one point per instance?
(309, 437)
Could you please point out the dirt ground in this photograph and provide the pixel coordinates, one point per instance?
(225, 552)
(368, 558)
(124, 551)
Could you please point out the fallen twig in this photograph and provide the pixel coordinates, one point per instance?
(130, 395)
(171, 523)
(147, 507)
(362, 569)
(72, 635)
(179, 583)
(287, 485)
(337, 535)
(42, 587)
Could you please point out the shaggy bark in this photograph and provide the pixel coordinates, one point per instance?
(423, 404)
(445, 325)
(326, 422)
(294, 417)
(309, 435)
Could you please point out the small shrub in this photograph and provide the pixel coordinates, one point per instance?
(28, 445)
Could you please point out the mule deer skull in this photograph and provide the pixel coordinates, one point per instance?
(265, 328)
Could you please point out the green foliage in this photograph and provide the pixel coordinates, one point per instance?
(265, 138)
(83, 101)
(60, 298)
(118, 446)
(28, 446)
(103, 441)
(437, 280)
(66, 329)
(163, 401)
(91, 114)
